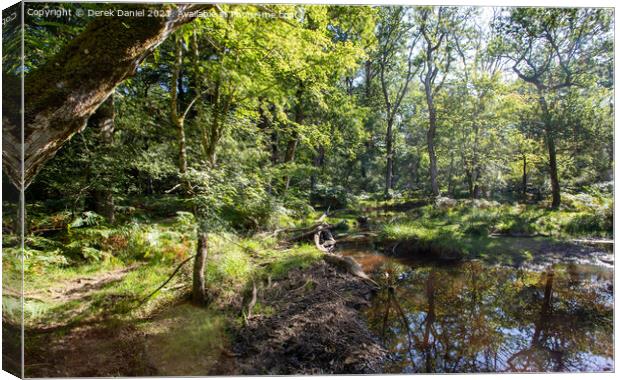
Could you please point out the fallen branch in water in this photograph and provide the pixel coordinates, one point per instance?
(325, 242)
(308, 232)
(348, 264)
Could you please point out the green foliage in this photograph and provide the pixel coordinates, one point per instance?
(284, 119)
(87, 219)
(336, 197)
(467, 222)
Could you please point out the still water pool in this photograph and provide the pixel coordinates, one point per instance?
(471, 317)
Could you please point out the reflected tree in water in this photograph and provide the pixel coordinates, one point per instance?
(473, 318)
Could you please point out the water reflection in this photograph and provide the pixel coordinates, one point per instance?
(475, 318)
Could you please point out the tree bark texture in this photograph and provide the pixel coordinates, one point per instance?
(199, 293)
(66, 90)
(389, 150)
(551, 150)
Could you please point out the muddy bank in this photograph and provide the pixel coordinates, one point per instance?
(312, 325)
(309, 322)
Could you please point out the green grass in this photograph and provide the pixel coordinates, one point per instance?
(503, 219)
(186, 339)
(298, 257)
(470, 230)
(155, 249)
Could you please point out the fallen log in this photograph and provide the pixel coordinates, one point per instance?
(348, 264)
(308, 232)
(325, 242)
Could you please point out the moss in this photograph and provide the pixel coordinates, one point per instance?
(89, 62)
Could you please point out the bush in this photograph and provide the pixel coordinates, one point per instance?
(250, 215)
(86, 243)
(477, 229)
(444, 203)
(87, 219)
(336, 197)
(590, 224)
(36, 261)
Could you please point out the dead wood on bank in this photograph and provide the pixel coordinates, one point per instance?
(325, 242)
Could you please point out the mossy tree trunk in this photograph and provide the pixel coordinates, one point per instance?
(65, 91)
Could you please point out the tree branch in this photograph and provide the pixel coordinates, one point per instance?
(64, 92)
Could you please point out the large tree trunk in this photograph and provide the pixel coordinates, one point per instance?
(103, 121)
(177, 119)
(430, 134)
(365, 157)
(364, 163)
(430, 144)
(450, 175)
(429, 90)
(474, 189)
(553, 171)
(551, 150)
(389, 151)
(199, 293)
(64, 92)
(477, 187)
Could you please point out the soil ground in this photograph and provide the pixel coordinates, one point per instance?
(308, 322)
(315, 327)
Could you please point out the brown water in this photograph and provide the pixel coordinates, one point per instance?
(473, 317)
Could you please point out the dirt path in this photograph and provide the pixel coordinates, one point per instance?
(82, 344)
(81, 287)
(312, 326)
(178, 341)
(308, 322)
(100, 350)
